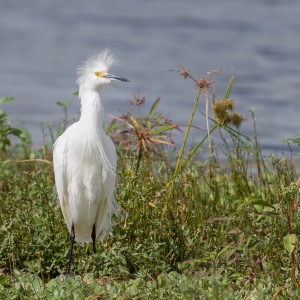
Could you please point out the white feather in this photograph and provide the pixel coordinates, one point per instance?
(85, 180)
(95, 63)
(85, 159)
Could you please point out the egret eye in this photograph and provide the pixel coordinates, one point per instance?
(100, 74)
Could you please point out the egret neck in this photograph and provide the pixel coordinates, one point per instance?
(92, 110)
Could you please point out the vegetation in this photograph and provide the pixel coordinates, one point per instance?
(192, 226)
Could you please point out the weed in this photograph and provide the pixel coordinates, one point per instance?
(191, 226)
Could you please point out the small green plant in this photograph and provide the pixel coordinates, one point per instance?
(223, 111)
(192, 226)
(7, 131)
(146, 134)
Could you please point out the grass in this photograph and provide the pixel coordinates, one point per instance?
(192, 226)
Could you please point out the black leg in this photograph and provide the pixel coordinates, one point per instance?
(94, 239)
(72, 238)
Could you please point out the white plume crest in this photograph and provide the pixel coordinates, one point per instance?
(95, 63)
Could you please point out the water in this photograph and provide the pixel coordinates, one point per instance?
(43, 42)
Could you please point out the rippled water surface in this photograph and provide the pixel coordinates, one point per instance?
(43, 42)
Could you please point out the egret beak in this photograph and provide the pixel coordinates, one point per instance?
(114, 77)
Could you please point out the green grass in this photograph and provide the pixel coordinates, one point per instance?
(192, 226)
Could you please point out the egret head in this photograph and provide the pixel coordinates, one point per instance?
(93, 73)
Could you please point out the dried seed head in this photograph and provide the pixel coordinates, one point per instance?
(137, 100)
(203, 83)
(223, 111)
(220, 110)
(184, 72)
(237, 119)
(167, 120)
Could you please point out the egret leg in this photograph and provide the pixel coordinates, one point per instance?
(94, 239)
(72, 239)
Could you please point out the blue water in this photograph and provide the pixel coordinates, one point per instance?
(42, 42)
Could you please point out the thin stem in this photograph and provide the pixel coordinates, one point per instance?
(138, 160)
(292, 207)
(190, 155)
(72, 238)
(186, 134)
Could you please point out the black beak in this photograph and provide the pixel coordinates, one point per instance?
(114, 77)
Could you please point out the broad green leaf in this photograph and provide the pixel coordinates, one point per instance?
(258, 208)
(6, 99)
(289, 242)
(31, 155)
(262, 203)
(6, 141)
(64, 104)
(16, 132)
(3, 280)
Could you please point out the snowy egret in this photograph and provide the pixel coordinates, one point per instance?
(85, 159)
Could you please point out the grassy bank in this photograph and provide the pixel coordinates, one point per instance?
(191, 226)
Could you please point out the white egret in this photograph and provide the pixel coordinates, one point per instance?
(85, 159)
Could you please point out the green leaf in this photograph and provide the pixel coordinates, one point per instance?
(293, 140)
(222, 251)
(289, 242)
(64, 104)
(228, 90)
(153, 108)
(262, 203)
(162, 129)
(16, 132)
(3, 280)
(6, 99)
(31, 155)
(258, 208)
(6, 141)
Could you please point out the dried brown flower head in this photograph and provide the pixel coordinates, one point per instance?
(237, 119)
(185, 73)
(137, 100)
(167, 120)
(223, 111)
(204, 83)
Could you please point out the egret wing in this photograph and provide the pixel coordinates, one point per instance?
(60, 154)
(107, 204)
